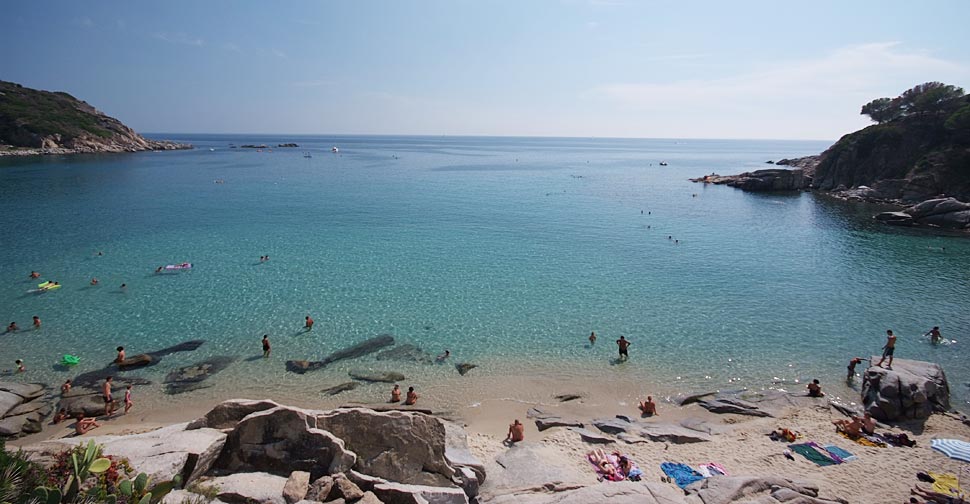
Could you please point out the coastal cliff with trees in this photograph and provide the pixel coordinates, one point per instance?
(44, 122)
(918, 151)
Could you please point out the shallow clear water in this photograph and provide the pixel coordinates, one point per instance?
(508, 251)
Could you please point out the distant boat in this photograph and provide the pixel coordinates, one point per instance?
(663, 163)
(212, 150)
(334, 150)
(307, 154)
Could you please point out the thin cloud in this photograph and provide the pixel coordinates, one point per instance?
(84, 21)
(279, 53)
(179, 38)
(229, 46)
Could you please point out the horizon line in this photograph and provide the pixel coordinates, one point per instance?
(425, 135)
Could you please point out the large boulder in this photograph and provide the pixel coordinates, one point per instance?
(530, 465)
(763, 490)
(9, 401)
(397, 446)
(282, 440)
(162, 453)
(910, 390)
(622, 492)
(228, 414)
(28, 391)
(249, 487)
(458, 453)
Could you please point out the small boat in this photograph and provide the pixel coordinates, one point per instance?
(663, 163)
(307, 154)
(334, 150)
(183, 266)
(212, 150)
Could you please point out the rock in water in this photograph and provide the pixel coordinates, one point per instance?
(910, 390)
(465, 367)
(407, 353)
(135, 362)
(376, 376)
(190, 378)
(359, 350)
(337, 389)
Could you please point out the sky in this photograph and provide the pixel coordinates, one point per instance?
(578, 68)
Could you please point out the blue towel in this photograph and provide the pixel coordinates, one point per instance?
(839, 452)
(682, 474)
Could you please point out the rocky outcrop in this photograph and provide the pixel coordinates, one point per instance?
(948, 213)
(766, 490)
(228, 414)
(42, 122)
(359, 350)
(766, 403)
(546, 419)
(23, 408)
(248, 487)
(762, 180)
(189, 378)
(910, 390)
(282, 440)
(528, 466)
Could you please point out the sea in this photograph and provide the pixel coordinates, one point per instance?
(508, 252)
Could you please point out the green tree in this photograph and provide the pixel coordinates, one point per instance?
(881, 110)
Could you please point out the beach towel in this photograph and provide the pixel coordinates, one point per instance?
(835, 451)
(946, 483)
(682, 474)
(811, 453)
(711, 469)
(863, 441)
(603, 475)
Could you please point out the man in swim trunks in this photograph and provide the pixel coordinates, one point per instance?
(623, 343)
(935, 336)
(106, 393)
(36, 322)
(851, 367)
(266, 347)
(309, 323)
(411, 398)
(887, 351)
(516, 432)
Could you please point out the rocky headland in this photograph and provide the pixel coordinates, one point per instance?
(919, 151)
(35, 122)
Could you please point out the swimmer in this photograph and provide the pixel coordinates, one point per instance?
(12, 327)
(159, 269)
(443, 357)
(121, 355)
(411, 398)
(935, 336)
(648, 407)
(395, 394)
(94, 281)
(309, 323)
(20, 366)
(124, 287)
(592, 338)
(66, 387)
(266, 346)
(100, 253)
(34, 274)
(516, 432)
(36, 322)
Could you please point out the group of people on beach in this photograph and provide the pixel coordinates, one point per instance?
(83, 424)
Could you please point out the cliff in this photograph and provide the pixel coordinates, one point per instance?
(44, 122)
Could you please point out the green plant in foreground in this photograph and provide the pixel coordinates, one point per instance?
(137, 490)
(89, 463)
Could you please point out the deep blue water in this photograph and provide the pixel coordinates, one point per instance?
(507, 251)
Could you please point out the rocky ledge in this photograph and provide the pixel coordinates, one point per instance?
(941, 212)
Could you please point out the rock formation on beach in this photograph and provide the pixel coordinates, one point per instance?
(45, 122)
(918, 151)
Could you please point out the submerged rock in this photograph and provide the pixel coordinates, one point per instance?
(405, 353)
(135, 362)
(465, 367)
(189, 378)
(359, 350)
(376, 376)
(338, 389)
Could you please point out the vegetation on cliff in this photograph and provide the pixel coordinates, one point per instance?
(35, 119)
(919, 148)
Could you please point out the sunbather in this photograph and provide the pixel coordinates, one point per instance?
(852, 428)
(937, 497)
(604, 465)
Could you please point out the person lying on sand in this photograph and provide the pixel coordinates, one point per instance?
(851, 428)
(85, 425)
(932, 496)
(607, 470)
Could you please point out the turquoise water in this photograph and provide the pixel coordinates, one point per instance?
(507, 251)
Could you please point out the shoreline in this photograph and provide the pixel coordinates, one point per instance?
(154, 145)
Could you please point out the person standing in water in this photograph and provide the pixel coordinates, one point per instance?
(66, 388)
(889, 348)
(851, 367)
(623, 344)
(592, 338)
(36, 322)
(266, 347)
(121, 355)
(309, 323)
(935, 336)
(20, 366)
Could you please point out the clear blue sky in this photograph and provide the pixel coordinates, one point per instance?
(719, 69)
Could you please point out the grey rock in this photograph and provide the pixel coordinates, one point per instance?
(590, 436)
(359, 350)
(895, 218)
(12, 425)
(568, 397)
(846, 409)
(369, 498)
(671, 434)
(228, 414)
(28, 391)
(249, 487)
(767, 403)
(405, 353)
(470, 484)
(772, 179)
(30, 407)
(281, 440)
(767, 490)
(9, 401)
(457, 452)
(910, 390)
(135, 362)
(395, 445)
(545, 419)
(393, 493)
(613, 425)
(465, 367)
(296, 486)
(531, 465)
(376, 376)
(343, 487)
(189, 378)
(320, 489)
(621, 492)
(339, 389)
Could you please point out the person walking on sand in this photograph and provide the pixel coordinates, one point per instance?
(592, 338)
(309, 323)
(106, 394)
(516, 432)
(36, 322)
(266, 346)
(121, 355)
(412, 397)
(648, 407)
(128, 403)
(623, 343)
(396, 394)
(66, 387)
(888, 349)
(851, 367)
